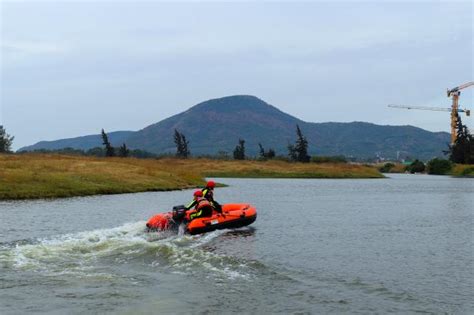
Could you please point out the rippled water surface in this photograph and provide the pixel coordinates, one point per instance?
(402, 245)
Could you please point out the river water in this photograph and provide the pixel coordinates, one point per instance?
(398, 245)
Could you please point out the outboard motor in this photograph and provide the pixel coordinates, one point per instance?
(167, 220)
(179, 213)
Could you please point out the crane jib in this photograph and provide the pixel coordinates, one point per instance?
(440, 109)
(454, 94)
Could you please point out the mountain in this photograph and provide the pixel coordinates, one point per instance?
(83, 143)
(366, 140)
(216, 125)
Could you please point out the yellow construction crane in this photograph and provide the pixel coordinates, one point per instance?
(454, 93)
(439, 109)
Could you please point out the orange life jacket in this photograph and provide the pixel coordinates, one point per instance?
(202, 203)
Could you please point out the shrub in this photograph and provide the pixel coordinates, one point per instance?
(469, 171)
(386, 167)
(439, 166)
(329, 159)
(416, 167)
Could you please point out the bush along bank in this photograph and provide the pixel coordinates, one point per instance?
(435, 166)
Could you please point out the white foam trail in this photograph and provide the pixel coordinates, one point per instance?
(202, 239)
(80, 253)
(75, 251)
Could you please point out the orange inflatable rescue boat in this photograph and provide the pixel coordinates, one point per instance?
(233, 215)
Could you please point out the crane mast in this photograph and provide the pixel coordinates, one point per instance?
(454, 94)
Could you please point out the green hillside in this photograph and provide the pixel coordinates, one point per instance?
(216, 125)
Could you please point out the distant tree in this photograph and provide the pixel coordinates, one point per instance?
(270, 154)
(178, 142)
(5, 141)
(265, 155)
(261, 151)
(62, 151)
(142, 154)
(239, 151)
(69, 151)
(299, 151)
(135, 153)
(185, 149)
(97, 151)
(439, 166)
(301, 146)
(329, 159)
(109, 149)
(416, 167)
(223, 155)
(292, 154)
(462, 151)
(182, 150)
(123, 150)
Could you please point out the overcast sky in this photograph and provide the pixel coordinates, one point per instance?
(72, 68)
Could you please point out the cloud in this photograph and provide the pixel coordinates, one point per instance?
(14, 53)
(320, 61)
(31, 48)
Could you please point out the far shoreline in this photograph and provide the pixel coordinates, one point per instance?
(50, 176)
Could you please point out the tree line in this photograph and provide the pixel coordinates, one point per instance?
(461, 152)
(297, 152)
(435, 166)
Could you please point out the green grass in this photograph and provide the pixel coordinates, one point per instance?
(463, 170)
(30, 176)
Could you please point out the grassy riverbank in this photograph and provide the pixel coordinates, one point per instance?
(463, 170)
(32, 176)
(458, 170)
